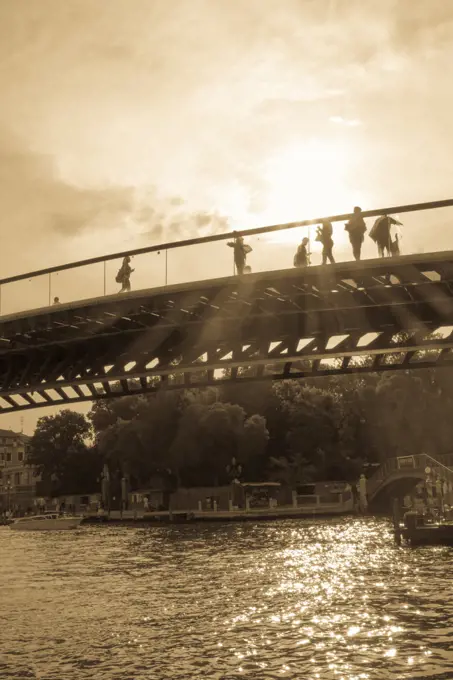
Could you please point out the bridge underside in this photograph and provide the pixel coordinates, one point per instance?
(396, 487)
(356, 317)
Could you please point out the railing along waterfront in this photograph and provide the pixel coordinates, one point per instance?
(192, 259)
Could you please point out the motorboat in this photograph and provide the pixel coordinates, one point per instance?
(50, 521)
(419, 529)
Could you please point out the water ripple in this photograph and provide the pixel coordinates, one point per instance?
(292, 599)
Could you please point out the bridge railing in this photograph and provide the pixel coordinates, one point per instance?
(273, 247)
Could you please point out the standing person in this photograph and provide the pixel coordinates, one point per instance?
(241, 250)
(362, 493)
(356, 229)
(302, 258)
(124, 275)
(380, 233)
(324, 235)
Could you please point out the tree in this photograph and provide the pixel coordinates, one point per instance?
(135, 433)
(60, 451)
(209, 436)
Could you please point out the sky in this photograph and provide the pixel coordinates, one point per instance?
(132, 122)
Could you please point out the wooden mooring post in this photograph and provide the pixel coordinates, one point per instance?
(396, 521)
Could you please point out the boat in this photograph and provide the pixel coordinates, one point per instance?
(418, 530)
(50, 521)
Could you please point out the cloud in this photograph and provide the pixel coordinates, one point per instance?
(34, 198)
(339, 120)
(37, 204)
(193, 98)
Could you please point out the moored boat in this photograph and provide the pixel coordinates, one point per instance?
(46, 522)
(418, 531)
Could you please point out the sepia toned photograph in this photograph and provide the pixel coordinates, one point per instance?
(226, 339)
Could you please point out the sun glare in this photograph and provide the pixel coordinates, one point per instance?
(307, 180)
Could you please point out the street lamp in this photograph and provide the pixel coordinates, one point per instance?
(8, 488)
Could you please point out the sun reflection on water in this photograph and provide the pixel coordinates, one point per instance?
(327, 599)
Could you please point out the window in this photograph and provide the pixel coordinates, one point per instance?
(17, 478)
(20, 456)
(8, 457)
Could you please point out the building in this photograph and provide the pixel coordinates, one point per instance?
(17, 479)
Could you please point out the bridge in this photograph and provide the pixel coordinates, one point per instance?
(396, 477)
(375, 315)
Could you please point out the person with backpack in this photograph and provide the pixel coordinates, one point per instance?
(302, 257)
(324, 235)
(124, 275)
(356, 229)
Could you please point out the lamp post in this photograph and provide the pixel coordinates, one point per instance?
(8, 497)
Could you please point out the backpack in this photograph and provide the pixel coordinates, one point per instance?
(119, 276)
(375, 228)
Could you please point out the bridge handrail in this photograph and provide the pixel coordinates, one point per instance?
(415, 207)
(439, 464)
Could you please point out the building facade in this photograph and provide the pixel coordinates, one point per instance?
(17, 479)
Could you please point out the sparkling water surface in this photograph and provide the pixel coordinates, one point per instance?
(289, 599)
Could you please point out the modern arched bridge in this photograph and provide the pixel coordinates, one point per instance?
(375, 315)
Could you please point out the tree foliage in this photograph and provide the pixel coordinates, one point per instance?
(294, 431)
(61, 453)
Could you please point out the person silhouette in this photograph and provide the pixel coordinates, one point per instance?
(356, 229)
(241, 250)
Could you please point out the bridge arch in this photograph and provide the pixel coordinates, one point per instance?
(397, 477)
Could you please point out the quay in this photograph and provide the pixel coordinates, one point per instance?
(135, 518)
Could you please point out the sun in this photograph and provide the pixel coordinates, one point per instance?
(308, 180)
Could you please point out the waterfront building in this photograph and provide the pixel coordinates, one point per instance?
(17, 479)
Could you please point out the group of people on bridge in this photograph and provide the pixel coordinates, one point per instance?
(356, 228)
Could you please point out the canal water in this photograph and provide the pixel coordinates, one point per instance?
(291, 599)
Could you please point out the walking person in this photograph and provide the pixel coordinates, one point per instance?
(241, 250)
(356, 229)
(324, 235)
(302, 257)
(124, 275)
(381, 234)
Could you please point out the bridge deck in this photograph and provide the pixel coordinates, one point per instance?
(355, 316)
(436, 262)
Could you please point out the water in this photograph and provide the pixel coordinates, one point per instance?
(290, 599)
